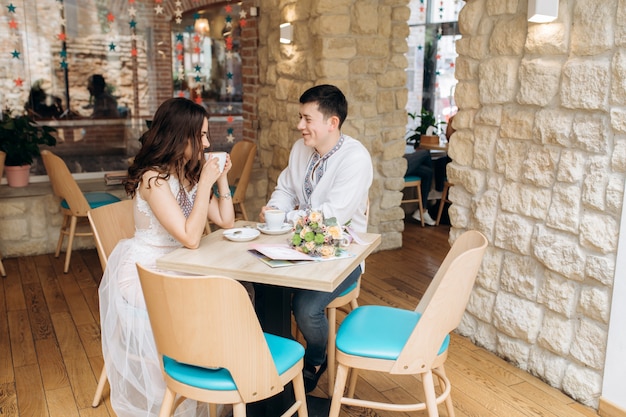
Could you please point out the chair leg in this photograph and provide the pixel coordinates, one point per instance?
(168, 403)
(3, 272)
(340, 385)
(212, 409)
(330, 347)
(429, 392)
(70, 242)
(354, 375)
(101, 381)
(300, 394)
(239, 410)
(448, 401)
(420, 206)
(442, 202)
(62, 233)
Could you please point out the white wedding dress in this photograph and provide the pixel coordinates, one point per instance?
(128, 347)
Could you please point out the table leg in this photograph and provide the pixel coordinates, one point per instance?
(273, 307)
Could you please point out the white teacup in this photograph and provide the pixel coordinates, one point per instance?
(274, 219)
(221, 158)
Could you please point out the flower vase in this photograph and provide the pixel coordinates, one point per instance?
(17, 176)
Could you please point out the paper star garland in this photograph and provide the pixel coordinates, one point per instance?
(62, 36)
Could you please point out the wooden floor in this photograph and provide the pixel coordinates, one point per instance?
(50, 354)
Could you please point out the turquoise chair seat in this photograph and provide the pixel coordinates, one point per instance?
(350, 288)
(95, 200)
(285, 353)
(379, 332)
(411, 178)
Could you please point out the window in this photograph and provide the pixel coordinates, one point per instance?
(207, 62)
(430, 75)
(94, 70)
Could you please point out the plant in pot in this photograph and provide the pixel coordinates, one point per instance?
(420, 132)
(20, 138)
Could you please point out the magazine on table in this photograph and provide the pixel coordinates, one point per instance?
(278, 255)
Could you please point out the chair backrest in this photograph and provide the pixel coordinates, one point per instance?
(63, 184)
(110, 224)
(443, 303)
(242, 156)
(209, 321)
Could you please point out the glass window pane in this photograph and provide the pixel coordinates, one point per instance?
(207, 62)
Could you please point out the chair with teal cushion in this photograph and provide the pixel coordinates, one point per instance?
(211, 345)
(405, 342)
(74, 203)
(411, 181)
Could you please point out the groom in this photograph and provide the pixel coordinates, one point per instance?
(330, 172)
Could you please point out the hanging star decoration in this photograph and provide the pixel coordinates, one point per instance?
(14, 38)
(110, 21)
(18, 82)
(229, 43)
(197, 39)
(62, 36)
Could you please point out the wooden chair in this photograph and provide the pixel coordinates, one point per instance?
(443, 201)
(242, 156)
(211, 346)
(347, 301)
(74, 203)
(413, 181)
(3, 155)
(404, 342)
(110, 224)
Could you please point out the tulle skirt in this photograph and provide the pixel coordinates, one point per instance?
(130, 356)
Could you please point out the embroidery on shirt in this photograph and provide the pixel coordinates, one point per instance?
(315, 171)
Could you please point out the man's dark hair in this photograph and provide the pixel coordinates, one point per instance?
(330, 101)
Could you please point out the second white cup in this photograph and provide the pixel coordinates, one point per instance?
(274, 219)
(221, 157)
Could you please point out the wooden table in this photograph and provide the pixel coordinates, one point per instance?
(219, 256)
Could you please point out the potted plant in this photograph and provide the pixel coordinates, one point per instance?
(420, 132)
(20, 138)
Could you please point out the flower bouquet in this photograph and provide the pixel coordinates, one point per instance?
(317, 236)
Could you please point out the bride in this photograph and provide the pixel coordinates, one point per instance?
(171, 184)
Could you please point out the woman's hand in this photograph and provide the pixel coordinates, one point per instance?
(211, 171)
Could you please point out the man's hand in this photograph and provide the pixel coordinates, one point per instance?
(262, 213)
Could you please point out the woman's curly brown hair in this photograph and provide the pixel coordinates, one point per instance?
(177, 122)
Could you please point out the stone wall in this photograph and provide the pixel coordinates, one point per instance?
(539, 164)
(358, 46)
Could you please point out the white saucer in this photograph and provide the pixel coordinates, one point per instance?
(241, 234)
(287, 227)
